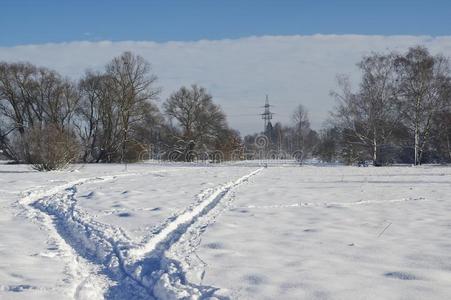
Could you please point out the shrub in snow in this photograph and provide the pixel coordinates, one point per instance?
(51, 148)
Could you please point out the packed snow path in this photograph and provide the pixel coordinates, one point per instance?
(139, 270)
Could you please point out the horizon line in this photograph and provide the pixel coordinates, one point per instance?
(250, 37)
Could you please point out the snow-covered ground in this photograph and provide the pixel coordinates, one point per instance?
(238, 231)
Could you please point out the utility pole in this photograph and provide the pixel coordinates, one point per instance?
(267, 114)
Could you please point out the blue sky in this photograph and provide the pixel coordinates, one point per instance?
(36, 22)
(248, 49)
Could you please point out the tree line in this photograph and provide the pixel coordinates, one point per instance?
(296, 140)
(400, 112)
(49, 121)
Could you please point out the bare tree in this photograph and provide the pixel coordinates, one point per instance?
(5, 145)
(133, 86)
(423, 80)
(328, 146)
(304, 138)
(16, 99)
(441, 135)
(301, 123)
(98, 118)
(370, 114)
(199, 119)
(31, 98)
(56, 99)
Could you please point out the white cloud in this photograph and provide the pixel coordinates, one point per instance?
(290, 69)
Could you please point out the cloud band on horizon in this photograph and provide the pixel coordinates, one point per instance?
(238, 72)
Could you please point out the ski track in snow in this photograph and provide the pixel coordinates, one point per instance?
(102, 261)
(332, 204)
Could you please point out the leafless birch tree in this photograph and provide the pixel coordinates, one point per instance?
(423, 81)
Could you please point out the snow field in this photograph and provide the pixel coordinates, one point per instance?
(334, 233)
(239, 231)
